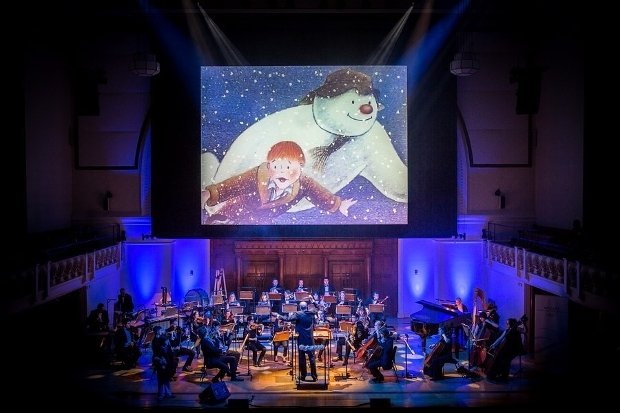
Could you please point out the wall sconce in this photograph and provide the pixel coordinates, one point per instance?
(501, 198)
(106, 200)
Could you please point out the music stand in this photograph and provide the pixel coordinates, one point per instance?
(343, 309)
(246, 295)
(350, 297)
(289, 308)
(275, 296)
(301, 296)
(348, 327)
(376, 308)
(235, 309)
(243, 343)
(329, 299)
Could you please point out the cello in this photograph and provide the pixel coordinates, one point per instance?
(438, 349)
(360, 353)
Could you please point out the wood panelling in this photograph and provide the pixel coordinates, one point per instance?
(364, 264)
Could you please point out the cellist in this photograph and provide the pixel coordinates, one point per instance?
(382, 353)
(508, 346)
(440, 354)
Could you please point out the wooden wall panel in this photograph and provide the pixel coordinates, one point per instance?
(364, 264)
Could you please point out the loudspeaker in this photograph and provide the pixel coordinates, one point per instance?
(238, 403)
(214, 393)
(528, 81)
(380, 402)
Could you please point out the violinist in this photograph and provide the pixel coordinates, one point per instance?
(382, 353)
(375, 300)
(176, 337)
(503, 350)
(253, 331)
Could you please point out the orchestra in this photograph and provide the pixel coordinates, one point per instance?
(358, 325)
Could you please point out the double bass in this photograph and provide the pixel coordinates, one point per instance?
(478, 335)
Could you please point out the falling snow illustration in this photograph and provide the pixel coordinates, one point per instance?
(350, 121)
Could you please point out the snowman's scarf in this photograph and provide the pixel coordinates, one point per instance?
(321, 153)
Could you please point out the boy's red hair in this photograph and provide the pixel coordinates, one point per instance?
(286, 150)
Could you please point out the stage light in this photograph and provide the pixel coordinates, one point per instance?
(144, 64)
(464, 64)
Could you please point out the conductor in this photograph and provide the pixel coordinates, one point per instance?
(304, 327)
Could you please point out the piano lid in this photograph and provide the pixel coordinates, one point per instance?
(433, 313)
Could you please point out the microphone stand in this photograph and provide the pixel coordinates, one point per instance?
(248, 357)
(346, 363)
(407, 375)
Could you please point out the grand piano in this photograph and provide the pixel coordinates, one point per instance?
(429, 316)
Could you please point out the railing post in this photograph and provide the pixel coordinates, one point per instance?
(566, 284)
(48, 280)
(578, 280)
(516, 260)
(36, 283)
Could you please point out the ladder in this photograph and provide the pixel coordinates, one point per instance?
(219, 288)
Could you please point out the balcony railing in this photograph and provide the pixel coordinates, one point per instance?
(48, 281)
(591, 286)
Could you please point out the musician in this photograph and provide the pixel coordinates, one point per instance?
(278, 327)
(385, 344)
(458, 335)
(264, 301)
(227, 336)
(490, 322)
(375, 300)
(253, 330)
(214, 354)
(355, 339)
(232, 300)
(275, 287)
(176, 337)
(98, 319)
(459, 306)
(123, 306)
(218, 337)
(300, 287)
(503, 350)
(304, 327)
(126, 349)
(163, 362)
(441, 353)
(124, 301)
(325, 289)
